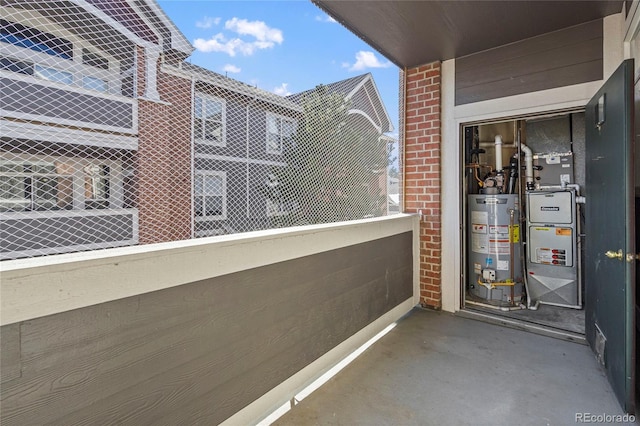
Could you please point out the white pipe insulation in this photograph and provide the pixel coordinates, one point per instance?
(498, 142)
(528, 161)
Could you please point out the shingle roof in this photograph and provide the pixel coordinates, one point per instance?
(362, 91)
(203, 74)
(342, 87)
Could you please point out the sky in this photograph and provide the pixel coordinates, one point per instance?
(280, 46)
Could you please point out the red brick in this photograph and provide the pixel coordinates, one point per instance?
(423, 173)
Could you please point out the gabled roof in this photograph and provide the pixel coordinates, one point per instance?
(365, 99)
(158, 18)
(342, 87)
(219, 80)
(147, 20)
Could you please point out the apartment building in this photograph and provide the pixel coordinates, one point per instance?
(110, 138)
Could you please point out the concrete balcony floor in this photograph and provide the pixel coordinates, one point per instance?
(435, 368)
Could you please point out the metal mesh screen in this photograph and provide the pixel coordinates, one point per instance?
(109, 137)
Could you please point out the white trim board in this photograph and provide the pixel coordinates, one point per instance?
(38, 132)
(239, 159)
(38, 287)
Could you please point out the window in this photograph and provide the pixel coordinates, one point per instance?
(275, 208)
(31, 38)
(94, 83)
(37, 186)
(210, 194)
(53, 74)
(209, 120)
(280, 132)
(12, 65)
(277, 204)
(96, 186)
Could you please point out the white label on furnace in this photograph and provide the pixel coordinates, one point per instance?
(544, 255)
(477, 268)
(503, 265)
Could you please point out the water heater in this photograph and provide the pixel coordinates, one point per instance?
(495, 268)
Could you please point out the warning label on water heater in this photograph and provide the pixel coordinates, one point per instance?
(499, 239)
(479, 238)
(479, 232)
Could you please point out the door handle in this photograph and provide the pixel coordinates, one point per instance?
(631, 257)
(614, 254)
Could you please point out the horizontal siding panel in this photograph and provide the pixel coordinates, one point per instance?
(200, 352)
(552, 59)
(567, 76)
(566, 37)
(515, 68)
(54, 103)
(17, 235)
(10, 363)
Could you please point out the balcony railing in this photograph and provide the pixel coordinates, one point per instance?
(200, 331)
(24, 234)
(29, 98)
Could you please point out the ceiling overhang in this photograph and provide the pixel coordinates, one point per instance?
(412, 33)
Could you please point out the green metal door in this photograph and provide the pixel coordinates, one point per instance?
(610, 231)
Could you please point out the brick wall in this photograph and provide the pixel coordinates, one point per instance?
(421, 168)
(164, 162)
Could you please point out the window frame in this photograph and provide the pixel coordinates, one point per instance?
(31, 182)
(34, 39)
(69, 178)
(85, 61)
(101, 198)
(200, 198)
(280, 119)
(198, 135)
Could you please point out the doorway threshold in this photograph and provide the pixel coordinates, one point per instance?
(519, 324)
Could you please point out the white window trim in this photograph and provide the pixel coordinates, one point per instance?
(35, 20)
(272, 183)
(115, 180)
(280, 212)
(266, 137)
(221, 174)
(223, 136)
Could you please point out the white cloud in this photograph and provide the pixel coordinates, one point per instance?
(207, 22)
(231, 68)
(325, 18)
(263, 36)
(282, 90)
(258, 29)
(219, 43)
(366, 60)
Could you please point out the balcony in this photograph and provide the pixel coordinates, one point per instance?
(229, 328)
(26, 234)
(87, 114)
